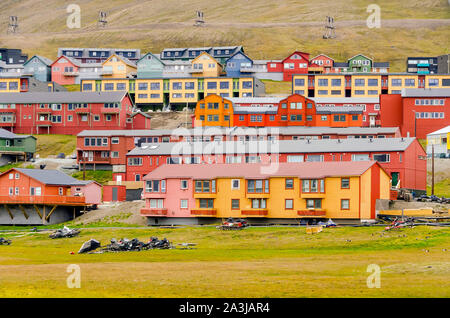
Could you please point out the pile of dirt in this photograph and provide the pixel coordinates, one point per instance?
(171, 120)
(437, 207)
(119, 212)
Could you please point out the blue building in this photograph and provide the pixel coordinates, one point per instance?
(238, 64)
(39, 68)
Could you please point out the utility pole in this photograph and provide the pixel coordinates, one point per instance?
(432, 169)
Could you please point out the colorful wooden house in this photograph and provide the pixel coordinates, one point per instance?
(16, 147)
(39, 67)
(118, 67)
(36, 197)
(239, 64)
(205, 65)
(347, 192)
(149, 66)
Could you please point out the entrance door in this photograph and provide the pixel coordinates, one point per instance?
(91, 156)
(395, 178)
(114, 194)
(372, 121)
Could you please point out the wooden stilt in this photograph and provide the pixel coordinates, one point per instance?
(37, 210)
(9, 211)
(24, 212)
(51, 211)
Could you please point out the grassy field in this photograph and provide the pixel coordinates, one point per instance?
(54, 144)
(267, 29)
(100, 176)
(255, 262)
(441, 188)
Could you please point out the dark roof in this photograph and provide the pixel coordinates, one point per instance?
(62, 97)
(340, 64)
(51, 177)
(381, 64)
(9, 135)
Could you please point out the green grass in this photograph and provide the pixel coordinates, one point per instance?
(255, 262)
(10, 166)
(54, 144)
(277, 88)
(73, 88)
(100, 176)
(441, 188)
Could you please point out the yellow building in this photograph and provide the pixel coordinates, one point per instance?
(278, 193)
(363, 85)
(205, 65)
(10, 85)
(118, 67)
(186, 90)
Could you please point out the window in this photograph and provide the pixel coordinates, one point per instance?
(313, 185)
(345, 204)
(235, 204)
(259, 203)
(206, 203)
(183, 204)
(382, 158)
(289, 184)
(258, 186)
(114, 140)
(205, 186)
(295, 158)
(288, 204)
(135, 161)
(156, 203)
(184, 184)
(314, 203)
(60, 191)
(345, 183)
(235, 184)
(360, 157)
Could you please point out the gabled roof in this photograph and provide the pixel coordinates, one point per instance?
(9, 135)
(71, 60)
(321, 55)
(123, 59)
(156, 57)
(441, 131)
(304, 170)
(140, 113)
(359, 55)
(49, 177)
(239, 52)
(302, 54)
(44, 60)
(209, 55)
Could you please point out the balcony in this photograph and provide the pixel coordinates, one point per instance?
(105, 110)
(196, 70)
(204, 212)
(44, 199)
(82, 110)
(316, 213)
(153, 212)
(7, 124)
(8, 110)
(107, 72)
(43, 123)
(43, 110)
(255, 212)
(71, 74)
(248, 69)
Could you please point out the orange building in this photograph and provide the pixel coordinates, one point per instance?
(294, 110)
(34, 196)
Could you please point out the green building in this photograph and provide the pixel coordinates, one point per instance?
(359, 64)
(149, 66)
(18, 147)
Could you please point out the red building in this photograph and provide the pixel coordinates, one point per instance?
(417, 112)
(370, 106)
(65, 70)
(107, 149)
(322, 64)
(296, 63)
(403, 158)
(68, 113)
(34, 196)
